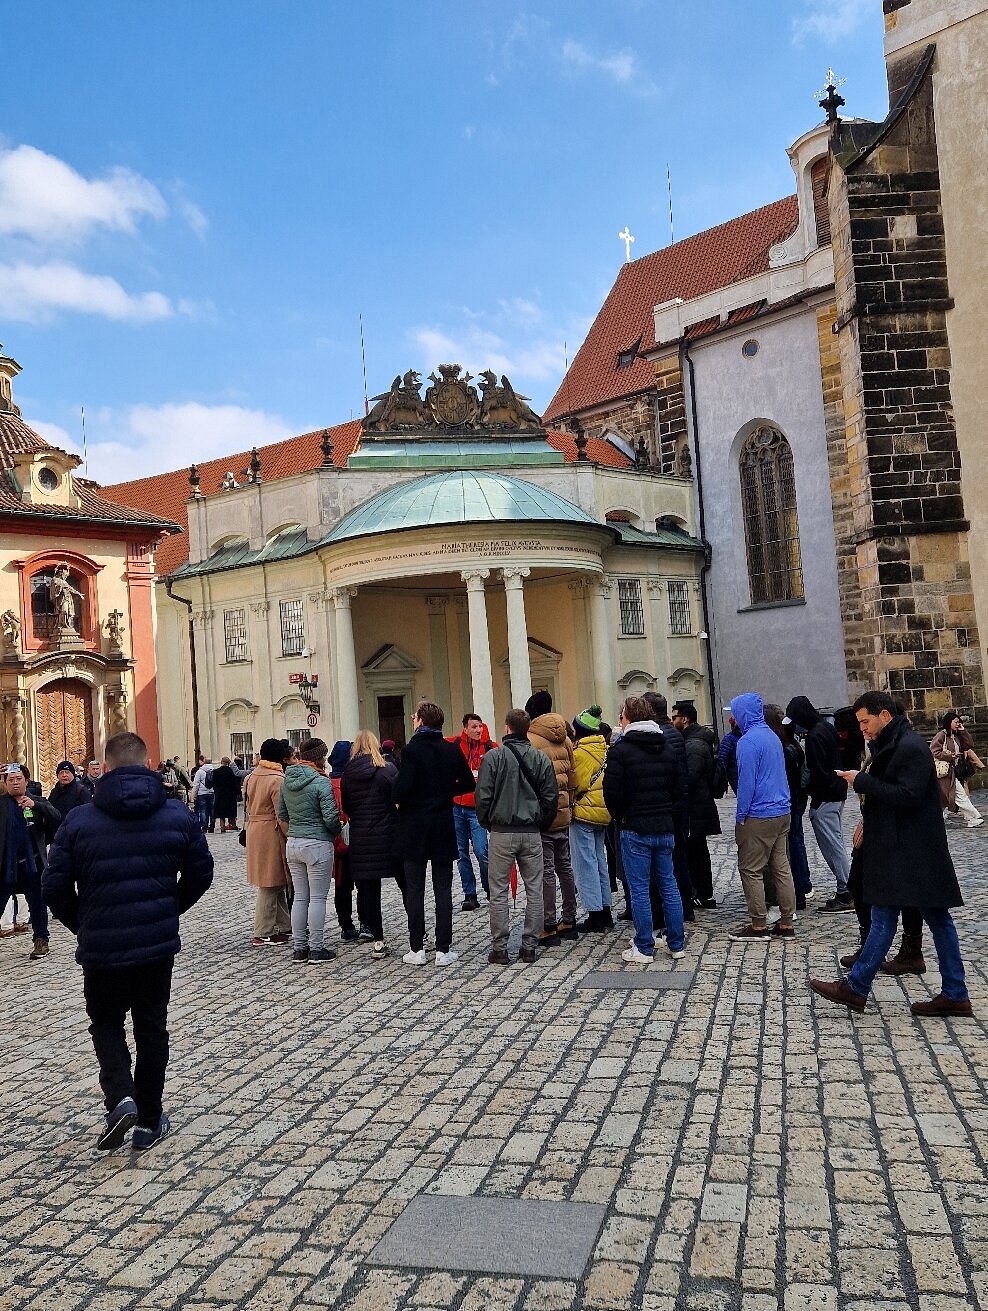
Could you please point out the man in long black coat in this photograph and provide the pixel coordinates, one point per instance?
(904, 856)
(432, 772)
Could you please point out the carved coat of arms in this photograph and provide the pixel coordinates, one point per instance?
(451, 405)
(451, 401)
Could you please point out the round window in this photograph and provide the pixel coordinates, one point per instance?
(47, 478)
(750, 349)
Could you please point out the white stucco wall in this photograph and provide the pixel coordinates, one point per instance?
(785, 650)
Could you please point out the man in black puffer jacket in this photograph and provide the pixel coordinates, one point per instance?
(120, 872)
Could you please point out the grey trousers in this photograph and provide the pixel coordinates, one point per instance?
(825, 821)
(556, 863)
(524, 849)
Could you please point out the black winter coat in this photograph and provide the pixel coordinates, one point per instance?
(41, 828)
(700, 761)
(65, 799)
(365, 790)
(122, 870)
(823, 752)
(432, 772)
(645, 780)
(904, 856)
(227, 789)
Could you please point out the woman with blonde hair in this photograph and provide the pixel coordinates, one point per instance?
(365, 789)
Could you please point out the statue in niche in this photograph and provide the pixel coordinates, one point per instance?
(63, 597)
(114, 628)
(11, 626)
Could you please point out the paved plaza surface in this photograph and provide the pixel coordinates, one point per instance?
(738, 1145)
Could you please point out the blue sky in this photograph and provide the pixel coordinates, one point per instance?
(198, 200)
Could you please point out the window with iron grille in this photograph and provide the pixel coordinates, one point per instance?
(680, 622)
(242, 745)
(630, 604)
(235, 634)
(771, 526)
(296, 736)
(292, 627)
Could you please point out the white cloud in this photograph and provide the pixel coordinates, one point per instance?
(146, 439)
(195, 217)
(830, 20)
(476, 349)
(621, 67)
(46, 199)
(35, 293)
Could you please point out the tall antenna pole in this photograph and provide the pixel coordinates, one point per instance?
(363, 363)
(672, 230)
(85, 452)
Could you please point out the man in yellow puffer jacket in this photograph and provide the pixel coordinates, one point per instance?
(549, 734)
(590, 820)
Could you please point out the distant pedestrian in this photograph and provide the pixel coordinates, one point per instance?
(266, 837)
(827, 793)
(203, 796)
(120, 873)
(704, 818)
(951, 754)
(226, 795)
(308, 805)
(905, 859)
(366, 791)
(517, 798)
(184, 778)
(27, 824)
(548, 734)
(432, 772)
(93, 774)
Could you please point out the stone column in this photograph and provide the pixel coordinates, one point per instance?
(18, 736)
(348, 719)
(480, 646)
(439, 652)
(579, 588)
(601, 637)
(518, 661)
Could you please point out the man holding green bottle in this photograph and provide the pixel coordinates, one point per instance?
(27, 825)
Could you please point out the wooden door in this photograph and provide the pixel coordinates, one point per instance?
(391, 719)
(64, 712)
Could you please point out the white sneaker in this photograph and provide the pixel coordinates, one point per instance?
(414, 957)
(447, 957)
(975, 823)
(676, 955)
(634, 957)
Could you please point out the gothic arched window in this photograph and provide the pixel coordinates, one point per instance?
(771, 526)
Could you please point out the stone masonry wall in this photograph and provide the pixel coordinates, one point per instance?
(906, 600)
(657, 416)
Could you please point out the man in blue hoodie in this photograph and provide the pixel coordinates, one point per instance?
(120, 872)
(762, 822)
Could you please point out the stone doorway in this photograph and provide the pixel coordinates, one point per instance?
(64, 717)
(391, 719)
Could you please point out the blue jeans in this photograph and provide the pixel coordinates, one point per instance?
(204, 811)
(588, 855)
(825, 820)
(881, 935)
(798, 863)
(646, 856)
(469, 832)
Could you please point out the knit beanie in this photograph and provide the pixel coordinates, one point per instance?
(339, 758)
(588, 721)
(64, 764)
(539, 703)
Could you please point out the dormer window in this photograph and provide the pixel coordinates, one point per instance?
(48, 479)
(627, 357)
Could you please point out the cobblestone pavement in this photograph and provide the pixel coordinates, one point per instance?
(755, 1147)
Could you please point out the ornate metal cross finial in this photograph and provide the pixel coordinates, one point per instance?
(326, 446)
(831, 101)
(194, 480)
(629, 241)
(255, 466)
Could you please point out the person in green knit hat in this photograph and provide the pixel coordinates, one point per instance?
(590, 821)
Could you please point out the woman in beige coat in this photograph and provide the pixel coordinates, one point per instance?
(267, 868)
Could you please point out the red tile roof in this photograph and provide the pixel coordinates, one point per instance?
(700, 264)
(169, 492)
(598, 451)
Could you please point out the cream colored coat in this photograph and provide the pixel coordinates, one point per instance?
(266, 835)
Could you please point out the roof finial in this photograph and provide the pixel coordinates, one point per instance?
(629, 241)
(326, 446)
(255, 466)
(831, 101)
(194, 480)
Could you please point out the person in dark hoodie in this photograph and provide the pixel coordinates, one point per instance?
(704, 816)
(827, 793)
(120, 873)
(432, 772)
(68, 792)
(645, 789)
(762, 821)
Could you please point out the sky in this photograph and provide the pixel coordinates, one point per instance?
(199, 202)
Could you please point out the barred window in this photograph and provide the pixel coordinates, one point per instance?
(235, 634)
(296, 736)
(630, 603)
(292, 627)
(242, 745)
(771, 526)
(680, 622)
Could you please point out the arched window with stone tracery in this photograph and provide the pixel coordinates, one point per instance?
(771, 524)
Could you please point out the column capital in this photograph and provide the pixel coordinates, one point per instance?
(604, 582)
(342, 596)
(655, 586)
(260, 607)
(579, 586)
(202, 617)
(436, 605)
(475, 579)
(514, 576)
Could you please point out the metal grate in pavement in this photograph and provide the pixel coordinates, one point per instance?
(497, 1235)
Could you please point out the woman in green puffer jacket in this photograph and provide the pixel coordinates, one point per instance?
(308, 806)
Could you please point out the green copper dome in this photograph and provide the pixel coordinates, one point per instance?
(456, 498)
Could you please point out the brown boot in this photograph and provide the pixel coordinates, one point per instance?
(840, 992)
(852, 959)
(942, 1006)
(909, 958)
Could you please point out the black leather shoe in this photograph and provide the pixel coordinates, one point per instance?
(470, 903)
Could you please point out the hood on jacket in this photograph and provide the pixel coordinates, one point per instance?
(646, 734)
(338, 758)
(299, 777)
(551, 727)
(748, 710)
(802, 712)
(130, 792)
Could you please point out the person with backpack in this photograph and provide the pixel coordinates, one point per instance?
(516, 799)
(827, 793)
(591, 817)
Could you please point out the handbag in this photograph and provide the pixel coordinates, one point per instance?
(942, 768)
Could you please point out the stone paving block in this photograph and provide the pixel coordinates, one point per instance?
(501, 1236)
(724, 1201)
(715, 1250)
(810, 1297)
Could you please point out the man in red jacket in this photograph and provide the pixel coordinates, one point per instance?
(475, 741)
